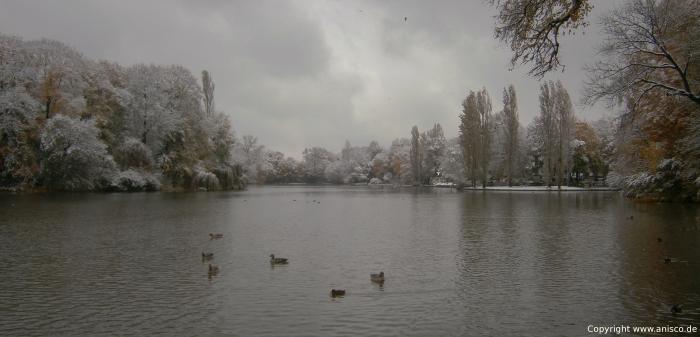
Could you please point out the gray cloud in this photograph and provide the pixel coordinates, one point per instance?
(305, 73)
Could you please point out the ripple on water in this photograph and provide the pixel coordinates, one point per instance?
(465, 264)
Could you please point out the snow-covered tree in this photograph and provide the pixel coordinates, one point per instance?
(510, 127)
(373, 149)
(75, 158)
(252, 158)
(149, 117)
(416, 155)
(400, 158)
(18, 161)
(452, 163)
(484, 110)
(565, 118)
(222, 138)
(208, 92)
(470, 137)
(552, 132)
(316, 160)
(587, 153)
(547, 131)
(433, 144)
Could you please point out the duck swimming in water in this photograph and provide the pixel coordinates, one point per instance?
(377, 278)
(277, 260)
(337, 292)
(676, 309)
(207, 256)
(213, 236)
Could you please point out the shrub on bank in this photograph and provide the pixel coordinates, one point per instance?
(667, 183)
(205, 179)
(135, 181)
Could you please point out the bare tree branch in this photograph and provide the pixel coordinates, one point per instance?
(647, 43)
(532, 28)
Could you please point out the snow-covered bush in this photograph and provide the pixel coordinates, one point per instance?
(135, 181)
(74, 157)
(205, 179)
(614, 179)
(357, 176)
(388, 177)
(375, 181)
(666, 184)
(134, 154)
(230, 177)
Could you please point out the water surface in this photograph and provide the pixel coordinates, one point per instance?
(471, 264)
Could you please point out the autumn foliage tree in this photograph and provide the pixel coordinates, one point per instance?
(587, 153)
(651, 63)
(651, 46)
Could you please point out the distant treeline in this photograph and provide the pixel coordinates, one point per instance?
(648, 66)
(491, 149)
(69, 123)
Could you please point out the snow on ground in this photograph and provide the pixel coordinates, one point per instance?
(542, 188)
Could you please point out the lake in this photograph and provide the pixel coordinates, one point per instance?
(457, 263)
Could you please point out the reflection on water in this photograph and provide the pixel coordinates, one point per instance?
(470, 264)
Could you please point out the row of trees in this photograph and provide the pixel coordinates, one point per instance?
(491, 148)
(649, 66)
(554, 149)
(76, 124)
(70, 123)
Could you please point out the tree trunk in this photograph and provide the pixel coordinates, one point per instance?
(48, 107)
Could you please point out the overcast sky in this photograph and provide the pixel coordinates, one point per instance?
(306, 73)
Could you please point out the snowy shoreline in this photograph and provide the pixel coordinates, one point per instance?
(542, 189)
(488, 188)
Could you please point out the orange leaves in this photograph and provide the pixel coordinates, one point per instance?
(665, 120)
(651, 153)
(49, 91)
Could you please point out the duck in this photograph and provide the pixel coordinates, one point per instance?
(659, 240)
(377, 278)
(213, 270)
(213, 236)
(337, 292)
(207, 256)
(667, 259)
(676, 309)
(277, 260)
